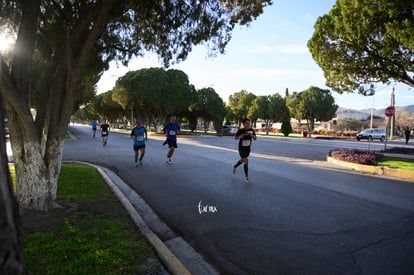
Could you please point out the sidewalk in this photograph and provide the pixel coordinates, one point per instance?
(175, 253)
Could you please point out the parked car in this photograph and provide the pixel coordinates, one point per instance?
(229, 130)
(371, 134)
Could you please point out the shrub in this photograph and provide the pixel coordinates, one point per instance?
(330, 132)
(356, 156)
(286, 128)
(318, 131)
(350, 133)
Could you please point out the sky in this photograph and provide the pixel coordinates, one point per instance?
(265, 58)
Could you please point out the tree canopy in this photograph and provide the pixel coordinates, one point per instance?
(269, 108)
(239, 104)
(209, 106)
(313, 104)
(361, 42)
(278, 110)
(104, 106)
(260, 109)
(154, 93)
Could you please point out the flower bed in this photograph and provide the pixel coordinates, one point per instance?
(374, 162)
(356, 156)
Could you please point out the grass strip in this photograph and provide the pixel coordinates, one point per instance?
(397, 163)
(94, 234)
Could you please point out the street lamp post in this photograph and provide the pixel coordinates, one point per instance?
(372, 110)
(392, 117)
(369, 92)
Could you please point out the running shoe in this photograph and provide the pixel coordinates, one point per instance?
(233, 169)
(140, 163)
(247, 179)
(136, 163)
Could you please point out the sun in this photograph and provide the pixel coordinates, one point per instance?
(6, 41)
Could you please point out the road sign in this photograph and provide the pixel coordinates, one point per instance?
(390, 111)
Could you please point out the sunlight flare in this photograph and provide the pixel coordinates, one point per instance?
(6, 41)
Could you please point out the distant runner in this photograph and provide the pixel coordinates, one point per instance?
(94, 125)
(171, 130)
(139, 135)
(104, 132)
(407, 134)
(245, 136)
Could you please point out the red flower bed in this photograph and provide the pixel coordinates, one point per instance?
(356, 156)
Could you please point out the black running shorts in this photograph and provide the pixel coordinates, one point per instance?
(137, 147)
(171, 143)
(244, 152)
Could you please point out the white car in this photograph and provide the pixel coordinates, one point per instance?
(371, 134)
(229, 130)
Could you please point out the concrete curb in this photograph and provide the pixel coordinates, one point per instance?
(378, 170)
(174, 265)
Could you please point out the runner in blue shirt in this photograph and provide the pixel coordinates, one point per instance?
(171, 130)
(139, 135)
(94, 124)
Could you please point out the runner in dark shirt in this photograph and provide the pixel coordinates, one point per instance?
(245, 136)
(104, 132)
(171, 130)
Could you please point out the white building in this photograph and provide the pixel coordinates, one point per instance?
(352, 114)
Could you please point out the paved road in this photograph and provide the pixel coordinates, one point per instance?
(310, 149)
(294, 218)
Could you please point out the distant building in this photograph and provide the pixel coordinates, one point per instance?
(352, 114)
(342, 113)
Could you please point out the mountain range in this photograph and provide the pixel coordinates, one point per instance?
(381, 112)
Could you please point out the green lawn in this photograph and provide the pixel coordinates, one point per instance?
(95, 234)
(398, 163)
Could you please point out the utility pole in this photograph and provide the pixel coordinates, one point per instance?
(393, 117)
(132, 116)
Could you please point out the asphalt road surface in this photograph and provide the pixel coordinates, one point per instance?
(297, 216)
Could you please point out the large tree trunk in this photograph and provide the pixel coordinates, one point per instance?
(267, 125)
(37, 143)
(36, 179)
(311, 125)
(37, 156)
(37, 147)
